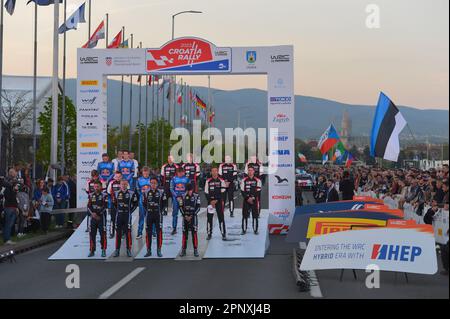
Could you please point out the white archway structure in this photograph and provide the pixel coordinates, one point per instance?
(187, 56)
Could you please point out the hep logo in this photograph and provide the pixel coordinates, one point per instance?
(395, 252)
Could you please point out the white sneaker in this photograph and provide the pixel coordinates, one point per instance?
(138, 236)
(20, 235)
(10, 242)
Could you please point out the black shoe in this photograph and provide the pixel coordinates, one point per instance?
(174, 232)
(149, 253)
(111, 236)
(91, 254)
(196, 253)
(159, 253)
(231, 215)
(103, 253)
(117, 253)
(209, 237)
(224, 237)
(129, 253)
(256, 232)
(243, 232)
(183, 253)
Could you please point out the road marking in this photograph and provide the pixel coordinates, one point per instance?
(111, 291)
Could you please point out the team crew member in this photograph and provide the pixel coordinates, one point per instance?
(142, 186)
(215, 192)
(190, 206)
(97, 208)
(125, 202)
(106, 170)
(126, 167)
(136, 167)
(113, 187)
(117, 160)
(257, 167)
(228, 172)
(251, 191)
(178, 189)
(153, 205)
(90, 190)
(168, 171)
(192, 171)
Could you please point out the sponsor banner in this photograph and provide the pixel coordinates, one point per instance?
(391, 249)
(188, 55)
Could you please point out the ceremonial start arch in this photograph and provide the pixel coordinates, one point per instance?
(189, 56)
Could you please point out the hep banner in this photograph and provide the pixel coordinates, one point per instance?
(405, 249)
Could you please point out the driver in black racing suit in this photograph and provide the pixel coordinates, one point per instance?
(190, 206)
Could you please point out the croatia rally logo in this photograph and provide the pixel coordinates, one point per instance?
(189, 55)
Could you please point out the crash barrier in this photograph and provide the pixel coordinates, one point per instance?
(440, 219)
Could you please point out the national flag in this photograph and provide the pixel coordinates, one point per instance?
(116, 42)
(96, 36)
(328, 139)
(349, 160)
(200, 102)
(124, 45)
(212, 115)
(180, 94)
(44, 2)
(302, 158)
(162, 84)
(324, 158)
(73, 20)
(10, 5)
(339, 152)
(386, 128)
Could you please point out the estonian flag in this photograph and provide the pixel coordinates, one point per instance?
(10, 5)
(386, 128)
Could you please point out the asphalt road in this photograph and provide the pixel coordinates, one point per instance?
(33, 276)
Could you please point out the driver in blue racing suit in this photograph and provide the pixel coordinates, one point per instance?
(178, 190)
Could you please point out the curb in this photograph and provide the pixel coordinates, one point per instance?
(32, 243)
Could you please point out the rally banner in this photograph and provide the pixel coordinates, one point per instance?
(399, 249)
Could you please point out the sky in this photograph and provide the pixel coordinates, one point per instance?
(336, 55)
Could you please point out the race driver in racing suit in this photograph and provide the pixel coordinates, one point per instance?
(152, 200)
(90, 190)
(214, 192)
(228, 172)
(97, 209)
(192, 171)
(178, 189)
(190, 206)
(125, 202)
(113, 187)
(168, 171)
(251, 192)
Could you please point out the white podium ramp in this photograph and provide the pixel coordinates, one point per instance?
(77, 246)
(237, 245)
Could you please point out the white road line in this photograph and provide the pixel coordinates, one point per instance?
(315, 287)
(111, 291)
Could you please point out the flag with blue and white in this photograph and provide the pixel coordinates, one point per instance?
(10, 5)
(44, 2)
(74, 19)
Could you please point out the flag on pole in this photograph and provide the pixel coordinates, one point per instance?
(96, 36)
(212, 115)
(302, 158)
(200, 103)
(10, 5)
(44, 2)
(124, 45)
(162, 84)
(180, 94)
(74, 19)
(328, 139)
(116, 42)
(339, 152)
(386, 128)
(349, 160)
(324, 158)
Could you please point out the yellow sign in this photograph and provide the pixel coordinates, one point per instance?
(326, 225)
(89, 144)
(89, 83)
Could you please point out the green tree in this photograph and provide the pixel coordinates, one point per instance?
(70, 133)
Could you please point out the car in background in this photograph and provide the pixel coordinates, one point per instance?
(304, 181)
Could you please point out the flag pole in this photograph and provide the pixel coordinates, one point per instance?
(163, 121)
(153, 105)
(63, 110)
(89, 22)
(34, 90)
(157, 125)
(54, 131)
(121, 99)
(130, 139)
(140, 111)
(1, 86)
(146, 121)
(107, 30)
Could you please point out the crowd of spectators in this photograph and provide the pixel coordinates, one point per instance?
(26, 206)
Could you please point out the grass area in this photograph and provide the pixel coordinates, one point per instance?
(31, 234)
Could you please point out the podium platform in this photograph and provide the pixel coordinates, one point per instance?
(236, 245)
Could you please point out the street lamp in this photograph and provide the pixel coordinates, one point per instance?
(176, 14)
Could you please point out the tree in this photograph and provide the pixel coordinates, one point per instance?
(16, 111)
(70, 141)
